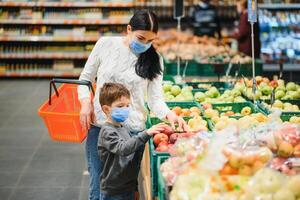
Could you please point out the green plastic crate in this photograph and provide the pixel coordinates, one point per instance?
(246, 69)
(192, 69)
(154, 156)
(219, 85)
(235, 107)
(160, 182)
(168, 78)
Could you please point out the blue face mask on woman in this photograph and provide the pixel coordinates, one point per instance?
(120, 114)
(138, 47)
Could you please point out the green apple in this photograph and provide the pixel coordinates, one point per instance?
(279, 94)
(240, 86)
(200, 96)
(287, 97)
(278, 104)
(280, 87)
(266, 90)
(294, 94)
(239, 99)
(213, 92)
(236, 92)
(227, 92)
(291, 86)
(167, 87)
(295, 108)
(175, 90)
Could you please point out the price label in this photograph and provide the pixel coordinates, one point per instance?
(252, 11)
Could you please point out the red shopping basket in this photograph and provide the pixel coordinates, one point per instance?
(61, 112)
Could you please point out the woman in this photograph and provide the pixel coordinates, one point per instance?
(133, 62)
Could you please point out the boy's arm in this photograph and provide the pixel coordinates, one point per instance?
(113, 143)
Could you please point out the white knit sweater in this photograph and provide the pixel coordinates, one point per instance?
(112, 61)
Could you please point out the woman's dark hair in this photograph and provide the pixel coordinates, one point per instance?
(148, 64)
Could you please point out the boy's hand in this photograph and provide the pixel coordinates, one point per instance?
(156, 129)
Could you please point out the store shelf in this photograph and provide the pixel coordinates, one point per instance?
(66, 4)
(44, 55)
(48, 39)
(50, 73)
(123, 21)
(279, 6)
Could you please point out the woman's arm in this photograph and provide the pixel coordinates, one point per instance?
(89, 73)
(157, 104)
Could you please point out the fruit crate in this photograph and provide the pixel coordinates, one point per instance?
(169, 78)
(163, 190)
(268, 111)
(191, 68)
(235, 107)
(218, 85)
(154, 156)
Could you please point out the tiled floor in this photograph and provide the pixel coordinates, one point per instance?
(32, 167)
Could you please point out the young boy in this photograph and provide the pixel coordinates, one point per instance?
(117, 149)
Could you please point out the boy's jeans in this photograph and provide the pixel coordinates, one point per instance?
(94, 163)
(124, 196)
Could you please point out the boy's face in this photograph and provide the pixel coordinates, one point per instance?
(122, 102)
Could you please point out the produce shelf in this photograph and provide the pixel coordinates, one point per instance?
(162, 188)
(48, 39)
(40, 74)
(62, 55)
(66, 4)
(122, 21)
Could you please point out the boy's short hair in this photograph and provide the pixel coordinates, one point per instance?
(111, 92)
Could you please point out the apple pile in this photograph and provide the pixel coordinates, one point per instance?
(225, 119)
(165, 140)
(245, 161)
(187, 112)
(285, 107)
(213, 95)
(176, 93)
(283, 91)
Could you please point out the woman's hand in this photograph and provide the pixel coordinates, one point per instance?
(174, 119)
(86, 114)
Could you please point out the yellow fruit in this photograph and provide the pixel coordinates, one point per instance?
(195, 109)
(210, 113)
(246, 111)
(215, 119)
(294, 119)
(245, 170)
(220, 125)
(260, 117)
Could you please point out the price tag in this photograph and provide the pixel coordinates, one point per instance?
(252, 11)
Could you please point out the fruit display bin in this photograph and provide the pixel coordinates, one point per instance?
(168, 78)
(163, 190)
(189, 68)
(268, 111)
(154, 155)
(236, 107)
(218, 85)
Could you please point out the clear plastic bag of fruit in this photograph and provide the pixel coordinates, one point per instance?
(288, 166)
(190, 147)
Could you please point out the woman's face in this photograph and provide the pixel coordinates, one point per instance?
(239, 7)
(140, 35)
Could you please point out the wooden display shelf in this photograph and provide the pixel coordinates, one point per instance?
(66, 4)
(65, 21)
(48, 39)
(39, 74)
(44, 55)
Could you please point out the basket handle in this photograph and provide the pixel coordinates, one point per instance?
(69, 81)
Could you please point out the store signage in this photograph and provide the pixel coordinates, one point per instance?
(252, 11)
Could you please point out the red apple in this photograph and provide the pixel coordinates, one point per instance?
(206, 106)
(158, 138)
(274, 83)
(162, 148)
(297, 151)
(173, 138)
(168, 130)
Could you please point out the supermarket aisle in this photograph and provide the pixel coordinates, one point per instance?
(32, 167)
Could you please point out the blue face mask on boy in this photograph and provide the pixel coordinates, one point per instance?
(120, 114)
(138, 47)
